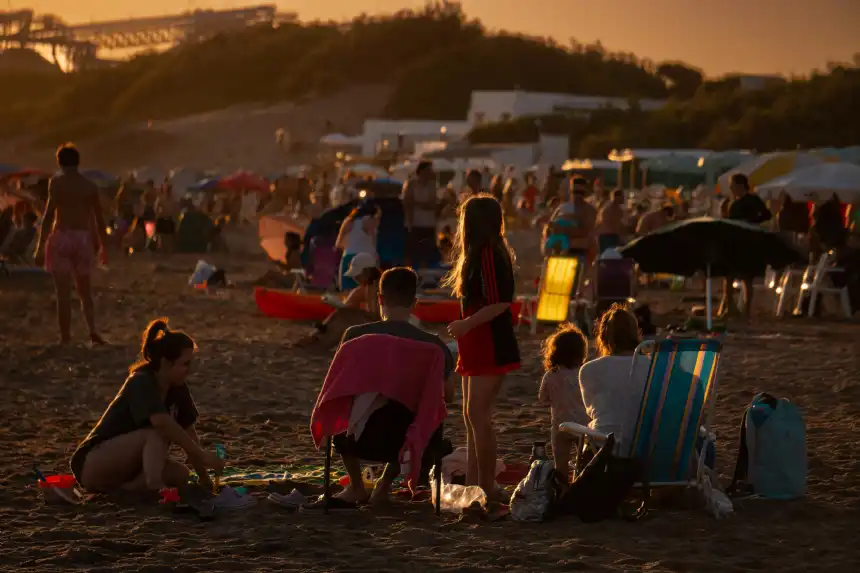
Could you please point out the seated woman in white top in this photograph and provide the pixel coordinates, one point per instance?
(357, 235)
(610, 393)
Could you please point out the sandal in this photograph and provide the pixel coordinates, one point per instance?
(334, 504)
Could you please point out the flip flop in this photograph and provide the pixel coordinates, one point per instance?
(334, 504)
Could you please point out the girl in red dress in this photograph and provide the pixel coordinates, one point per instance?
(483, 280)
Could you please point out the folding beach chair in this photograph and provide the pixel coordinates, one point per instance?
(559, 284)
(614, 282)
(325, 427)
(675, 413)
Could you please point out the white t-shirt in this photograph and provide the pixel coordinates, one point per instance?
(612, 395)
(358, 240)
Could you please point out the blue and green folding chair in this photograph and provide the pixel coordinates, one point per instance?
(672, 437)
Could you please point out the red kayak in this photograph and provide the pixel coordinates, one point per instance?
(288, 305)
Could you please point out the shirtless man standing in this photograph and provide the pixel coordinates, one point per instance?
(72, 231)
(654, 220)
(610, 227)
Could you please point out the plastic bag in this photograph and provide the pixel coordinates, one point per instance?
(537, 493)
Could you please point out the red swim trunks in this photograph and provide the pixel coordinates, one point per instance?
(69, 252)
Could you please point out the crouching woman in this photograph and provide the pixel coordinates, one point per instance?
(128, 447)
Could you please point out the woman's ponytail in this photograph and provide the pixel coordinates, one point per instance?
(159, 342)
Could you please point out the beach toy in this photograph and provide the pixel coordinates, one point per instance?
(149, 227)
(61, 488)
(169, 495)
(222, 454)
(367, 477)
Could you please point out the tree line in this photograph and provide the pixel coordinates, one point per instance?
(434, 58)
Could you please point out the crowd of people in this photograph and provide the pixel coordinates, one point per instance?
(129, 445)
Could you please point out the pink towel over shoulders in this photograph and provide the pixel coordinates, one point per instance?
(406, 371)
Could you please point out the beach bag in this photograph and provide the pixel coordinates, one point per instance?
(538, 493)
(772, 450)
(600, 491)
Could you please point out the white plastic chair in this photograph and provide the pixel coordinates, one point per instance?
(814, 282)
(790, 284)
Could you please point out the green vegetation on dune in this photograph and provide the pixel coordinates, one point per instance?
(434, 59)
(817, 112)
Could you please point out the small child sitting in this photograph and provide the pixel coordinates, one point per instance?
(557, 241)
(563, 354)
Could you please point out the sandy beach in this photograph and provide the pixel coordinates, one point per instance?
(255, 396)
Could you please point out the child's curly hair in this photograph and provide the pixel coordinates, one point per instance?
(567, 347)
(617, 331)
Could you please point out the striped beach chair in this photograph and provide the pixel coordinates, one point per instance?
(672, 435)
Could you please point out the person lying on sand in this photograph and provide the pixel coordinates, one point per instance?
(128, 448)
(359, 307)
(388, 422)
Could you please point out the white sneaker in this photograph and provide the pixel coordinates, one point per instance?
(293, 500)
(229, 498)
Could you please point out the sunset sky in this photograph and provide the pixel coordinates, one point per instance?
(720, 36)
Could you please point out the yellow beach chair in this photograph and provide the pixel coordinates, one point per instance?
(559, 282)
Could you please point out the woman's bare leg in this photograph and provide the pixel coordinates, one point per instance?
(482, 393)
(124, 459)
(471, 454)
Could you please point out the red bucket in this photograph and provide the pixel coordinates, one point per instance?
(60, 488)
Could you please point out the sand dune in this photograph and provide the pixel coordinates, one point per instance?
(242, 137)
(256, 396)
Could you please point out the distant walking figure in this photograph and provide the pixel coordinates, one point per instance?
(71, 233)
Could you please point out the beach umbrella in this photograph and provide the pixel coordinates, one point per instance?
(769, 166)
(717, 247)
(205, 184)
(244, 181)
(100, 178)
(817, 183)
(365, 169)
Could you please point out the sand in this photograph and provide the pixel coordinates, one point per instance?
(255, 395)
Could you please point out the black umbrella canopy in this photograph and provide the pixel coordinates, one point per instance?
(722, 247)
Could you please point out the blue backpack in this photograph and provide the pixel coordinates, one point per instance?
(772, 451)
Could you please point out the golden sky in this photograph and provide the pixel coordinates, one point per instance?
(720, 36)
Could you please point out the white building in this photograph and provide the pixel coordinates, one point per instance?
(752, 82)
(493, 106)
(402, 136)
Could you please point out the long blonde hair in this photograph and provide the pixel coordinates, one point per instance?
(481, 225)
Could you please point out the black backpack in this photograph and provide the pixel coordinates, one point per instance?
(599, 492)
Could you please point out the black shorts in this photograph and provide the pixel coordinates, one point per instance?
(382, 438)
(573, 252)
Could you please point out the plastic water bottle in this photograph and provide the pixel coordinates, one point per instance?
(455, 497)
